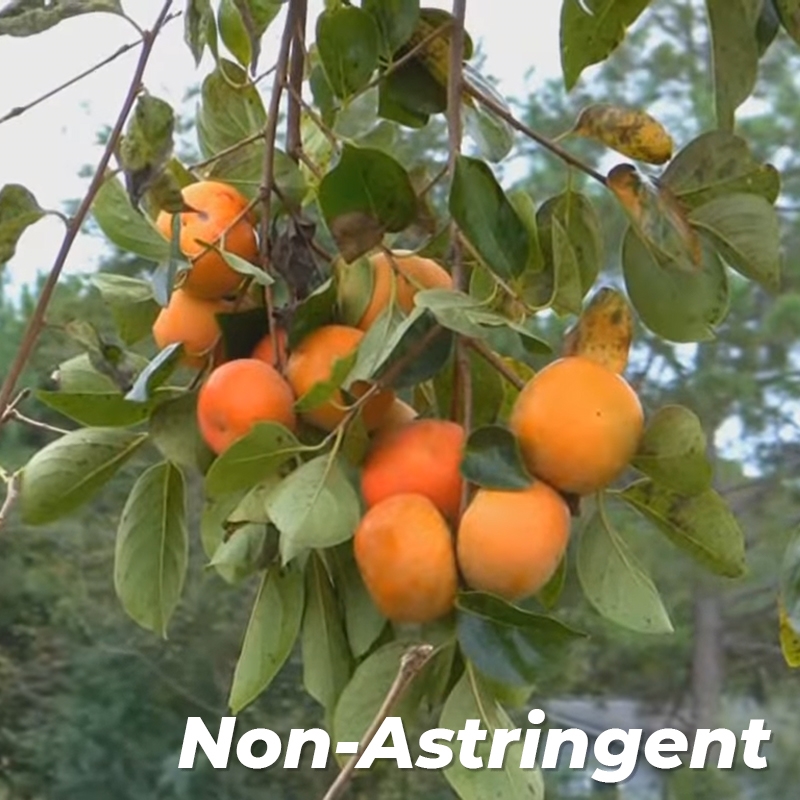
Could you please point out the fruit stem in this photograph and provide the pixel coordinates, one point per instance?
(36, 322)
(411, 664)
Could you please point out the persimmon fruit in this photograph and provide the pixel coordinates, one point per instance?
(312, 362)
(237, 395)
(215, 207)
(422, 457)
(578, 424)
(192, 322)
(265, 349)
(404, 552)
(409, 273)
(510, 542)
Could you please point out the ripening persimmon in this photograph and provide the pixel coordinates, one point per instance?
(404, 552)
(239, 394)
(422, 457)
(312, 362)
(193, 323)
(510, 542)
(265, 349)
(409, 273)
(217, 208)
(578, 424)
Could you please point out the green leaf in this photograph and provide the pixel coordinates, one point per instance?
(591, 30)
(363, 622)
(492, 135)
(318, 309)
(365, 195)
(29, 17)
(243, 267)
(100, 409)
(321, 392)
(199, 27)
(18, 211)
(146, 147)
(582, 234)
(242, 23)
(789, 14)
(679, 305)
(152, 549)
(735, 54)
(216, 511)
(348, 42)
(257, 455)
(174, 431)
(673, 451)
(487, 219)
(314, 507)
(790, 582)
(326, 656)
(270, 636)
(550, 593)
(716, 164)
(746, 232)
(241, 555)
(615, 582)
(78, 375)
(155, 373)
(471, 698)
(131, 302)
(396, 20)
(700, 524)
(67, 472)
(230, 111)
(768, 26)
(492, 459)
(507, 643)
(126, 227)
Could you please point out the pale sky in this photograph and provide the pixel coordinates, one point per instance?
(45, 148)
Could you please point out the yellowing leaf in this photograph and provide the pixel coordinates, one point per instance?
(629, 131)
(435, 55)
(604, 331)
(658, 216)
(790, 639)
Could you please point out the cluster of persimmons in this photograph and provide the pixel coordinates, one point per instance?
(577, 423)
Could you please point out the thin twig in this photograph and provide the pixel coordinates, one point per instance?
(296, 68)
(411, 664)
(313, 116)
(539, 138)
(37, 318)
(268, 170)
(312, 167)
(254, 137)
(496, 363)
(34, 423)
(12, 492)
(19, 110)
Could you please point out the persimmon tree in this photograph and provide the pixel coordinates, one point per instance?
(325, 195)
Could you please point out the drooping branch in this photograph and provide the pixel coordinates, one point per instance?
(36, 322)
(411, 664)
(537, 137)
(296, 68)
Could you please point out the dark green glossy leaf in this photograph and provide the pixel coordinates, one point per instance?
(487, 219)
(492, 459)
(365, 195)
(348, 41)
(396, 20)
(174, 431)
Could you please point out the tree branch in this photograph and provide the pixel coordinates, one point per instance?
(496, 363)
(296, 68)
(539, 138)
(411, 664)
(268, 173)
(37, 318)
(12, 492)
(462, 379)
